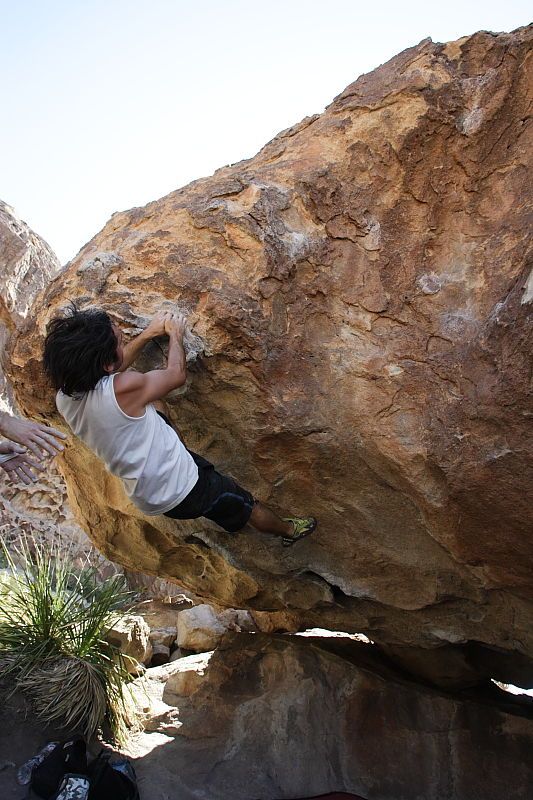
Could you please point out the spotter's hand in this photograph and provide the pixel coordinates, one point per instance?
(21, 467)
(40, 439)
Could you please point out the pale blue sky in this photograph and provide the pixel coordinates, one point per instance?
(109, 104)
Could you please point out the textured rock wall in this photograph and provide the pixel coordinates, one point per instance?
(276, 718)
(362, 294)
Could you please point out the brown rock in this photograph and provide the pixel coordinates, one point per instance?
(275, 621)
(275, 718)
(360, 351)
(130, 634)
(176, 654)
(164, 636)
(156, 715)
(199, 629)
(158, 614)
(158, 589)
(160, 654)
(234, 619)
(445, 667)
(461, 666)
(27, 265)
(187, 677)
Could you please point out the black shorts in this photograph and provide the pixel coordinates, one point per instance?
(214, 496)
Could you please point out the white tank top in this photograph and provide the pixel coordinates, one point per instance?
(146, 453)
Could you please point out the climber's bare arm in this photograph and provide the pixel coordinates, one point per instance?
(133, 348)
(134, 390)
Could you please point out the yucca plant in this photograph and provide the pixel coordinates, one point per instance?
(53, 621)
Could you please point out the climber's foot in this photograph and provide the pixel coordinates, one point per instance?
(301, 527)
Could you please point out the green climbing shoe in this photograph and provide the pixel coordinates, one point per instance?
(303, 526)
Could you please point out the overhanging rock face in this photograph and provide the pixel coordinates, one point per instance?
(363, 299)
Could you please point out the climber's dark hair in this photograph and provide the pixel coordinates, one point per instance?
(78, 348)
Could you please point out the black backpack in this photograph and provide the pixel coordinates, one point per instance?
(65, 774)
(68, 757)
(112, 780)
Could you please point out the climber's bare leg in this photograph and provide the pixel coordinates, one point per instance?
(291, 529)
(265, 520)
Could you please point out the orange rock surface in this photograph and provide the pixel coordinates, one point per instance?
(362, 298)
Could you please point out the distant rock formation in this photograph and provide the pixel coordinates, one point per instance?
(28, 264)
(363, 292)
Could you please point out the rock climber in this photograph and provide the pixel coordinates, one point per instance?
(120, 416)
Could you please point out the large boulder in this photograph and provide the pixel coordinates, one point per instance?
(362, 298)
(199, 629)
(282, 718)
(131, 635)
